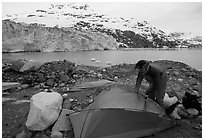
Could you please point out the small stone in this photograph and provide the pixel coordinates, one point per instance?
(115, 78)
(104, 70)
(180, 95)
(91, 71)
(180, 106)
(56, 84)
(193, 111)
(197, 87)
(75, 76)
(66, 104)
(182, 113)
(175, 114)
(198, 127)
(46, 90)
(71, 100)
(8, 99)
(77, 108)
(64, 77)
(99, 75)
(180, 80)
(41, 77)
(184, 69)
(24, 86)
(196, 93)
(199, 119)
(22, 135)
(145, 84)
(176, 73)
(62, 84)
(5, 93)
(37, 86)
(193, 81)
(40, 135)
(56, 134)
(177, 88)
(21, 101)
(65, 96)
(50, 82)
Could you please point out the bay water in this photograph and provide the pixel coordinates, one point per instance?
(191, 57)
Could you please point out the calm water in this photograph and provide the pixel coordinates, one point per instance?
(192, 57)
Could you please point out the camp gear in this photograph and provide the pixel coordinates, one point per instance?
(120, 112)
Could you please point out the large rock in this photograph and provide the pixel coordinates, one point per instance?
(44, 110)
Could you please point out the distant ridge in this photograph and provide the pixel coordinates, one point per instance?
(76, 26)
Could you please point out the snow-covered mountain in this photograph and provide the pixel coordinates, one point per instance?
(82, 20)
(187, 39)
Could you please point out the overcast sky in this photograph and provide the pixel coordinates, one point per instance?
(168, 16)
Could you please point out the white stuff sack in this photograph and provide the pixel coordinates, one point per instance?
(44, 110)
(168, 101)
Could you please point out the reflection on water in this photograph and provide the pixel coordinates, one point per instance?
(192, 57)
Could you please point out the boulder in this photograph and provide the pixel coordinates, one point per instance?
(44, 110)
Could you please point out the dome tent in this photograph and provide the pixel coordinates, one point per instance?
(119, 112)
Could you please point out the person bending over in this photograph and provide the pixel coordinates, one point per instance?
(157, 78)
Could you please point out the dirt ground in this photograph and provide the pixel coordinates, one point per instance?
(14, 114)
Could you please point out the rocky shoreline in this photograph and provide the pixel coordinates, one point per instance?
(60, 76)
